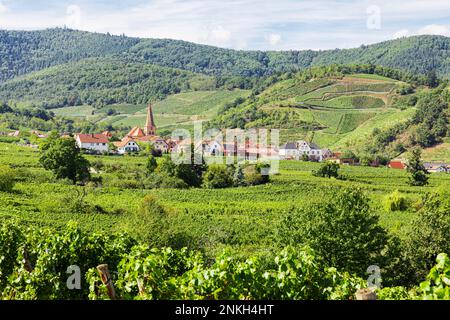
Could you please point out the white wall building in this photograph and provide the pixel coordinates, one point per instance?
(95, 142)
(296, 150)
(127, 145)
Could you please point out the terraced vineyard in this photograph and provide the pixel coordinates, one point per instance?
(175, 110)
(331, 111)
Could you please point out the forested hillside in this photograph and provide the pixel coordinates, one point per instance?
(418, 55)
(99, 82)
(25, 51)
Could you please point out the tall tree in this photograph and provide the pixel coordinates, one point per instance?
(418, 172)
(63, 157)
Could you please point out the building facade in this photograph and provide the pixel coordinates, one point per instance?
(94, 142)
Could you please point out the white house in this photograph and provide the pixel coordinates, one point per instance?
(296, 150)
(95, 142)
(289, 151)
(313, 151)
(127, 145)
(160, 144)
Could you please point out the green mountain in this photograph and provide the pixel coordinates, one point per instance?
(101, 81)
(22, 52)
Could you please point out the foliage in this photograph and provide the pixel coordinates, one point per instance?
(437, 286)
(395, 202)
(327, 169)
(63, 157)
(342, 230)
(416, 169)
(151, 164)
(7, 178)
(428, 234)
(217, 176)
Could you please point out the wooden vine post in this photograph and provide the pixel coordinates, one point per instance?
(106, 280)
(26, 261)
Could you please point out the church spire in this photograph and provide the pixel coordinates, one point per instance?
(150, 128)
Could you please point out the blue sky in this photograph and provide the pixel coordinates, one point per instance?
(239, 24)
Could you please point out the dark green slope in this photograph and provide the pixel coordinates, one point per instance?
(219, 61)
(101, 81)
(418, 54)
(24, 51)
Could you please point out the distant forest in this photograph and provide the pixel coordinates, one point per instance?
(22, 52)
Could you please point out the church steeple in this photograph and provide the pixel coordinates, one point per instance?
(150, 128)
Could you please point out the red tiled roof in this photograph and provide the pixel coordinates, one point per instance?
(136, 132)
(92, 138)
(124, 142)
(397, 165)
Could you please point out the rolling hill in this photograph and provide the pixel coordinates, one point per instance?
(22, 52)
(101, 81)
(334, 110)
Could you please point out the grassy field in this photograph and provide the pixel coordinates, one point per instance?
(244, 219)
(175, 110)
(439, 153)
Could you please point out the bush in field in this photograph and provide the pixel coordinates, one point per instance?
(395, 202)
(428, 234)
(187, 173)
(342, 230)
(7, 178)
(151, 164)
(63, 157)
(150, 223)
(253, 174)
(238, 177)
(158, 180)
(216, 177)
(327, 169)
(416, 169)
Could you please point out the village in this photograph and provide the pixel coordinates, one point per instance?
(138, 138)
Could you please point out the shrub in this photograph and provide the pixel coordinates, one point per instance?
(428, 235)
(253, 176)
(342, 230)
(327, 169)
(7, 178)
(395, 202)
(151, 164)
(150, 223)
(63, 157)
(216, 177)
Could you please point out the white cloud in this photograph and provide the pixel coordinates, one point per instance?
(3, 8)
(273, 39)
(219, 35)
(435, 29)
(401, 33)
(73, 19)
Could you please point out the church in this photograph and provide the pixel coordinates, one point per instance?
(129, 143)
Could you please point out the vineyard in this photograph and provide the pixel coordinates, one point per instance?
(233, 243)
(36, 264)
